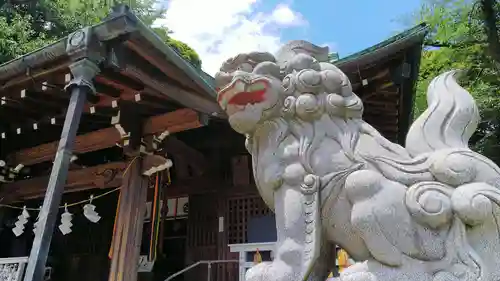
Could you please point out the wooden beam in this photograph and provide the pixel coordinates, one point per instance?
(102, 176)
(356, 79)
(191, 156)
(129, 123)
(36, 74)
(166, 67)
(146, 96)
(189, 99)
(177, 121)
(110, 175)
(204, 185)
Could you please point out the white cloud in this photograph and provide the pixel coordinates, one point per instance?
(219, 29)
(285, 16)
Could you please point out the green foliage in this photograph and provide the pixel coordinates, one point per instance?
(24, 28)
(458, 25)
(17, 38)
(185, 51)
(180, 47)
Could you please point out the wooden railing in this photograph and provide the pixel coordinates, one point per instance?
(12, 269)
(246, 255)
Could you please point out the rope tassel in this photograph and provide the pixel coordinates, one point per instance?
(155, 220)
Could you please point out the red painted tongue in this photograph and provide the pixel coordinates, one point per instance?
(245, 98)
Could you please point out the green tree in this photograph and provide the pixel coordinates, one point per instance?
(458, 41)
(180, 47)
(17, 37)
(25, 27)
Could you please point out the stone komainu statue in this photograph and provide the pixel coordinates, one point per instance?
(427, 211)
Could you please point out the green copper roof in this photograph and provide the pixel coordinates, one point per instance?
(119, 23)
(418, 31)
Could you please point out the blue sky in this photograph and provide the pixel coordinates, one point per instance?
(219, 29)
(351, 25)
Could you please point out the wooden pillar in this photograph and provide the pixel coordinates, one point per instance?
(133, 197)
(128, 234)
(83, 72)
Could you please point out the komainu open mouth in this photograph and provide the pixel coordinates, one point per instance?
(243, 93)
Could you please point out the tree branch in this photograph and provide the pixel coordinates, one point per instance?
(490, 25)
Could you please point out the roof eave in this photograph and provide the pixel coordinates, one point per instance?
(171, 55)
(112, 28)
(33, 59)
(394, 44)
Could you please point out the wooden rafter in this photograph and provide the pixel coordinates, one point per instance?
(35, 75)
(369, 76)
(166, 67)
(144, 96)
(177, 121)
(187, 98)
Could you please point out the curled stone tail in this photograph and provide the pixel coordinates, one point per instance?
(449, 121)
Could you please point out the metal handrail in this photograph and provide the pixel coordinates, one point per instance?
(208, 263)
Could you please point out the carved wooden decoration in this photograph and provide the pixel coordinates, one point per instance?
(101, 176)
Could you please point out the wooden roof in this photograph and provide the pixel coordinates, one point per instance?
(137, 68)
(390, 71)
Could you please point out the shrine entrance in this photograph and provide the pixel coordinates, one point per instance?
(172, 240)
(173, 259)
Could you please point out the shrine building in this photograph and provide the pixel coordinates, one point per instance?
(140, 172)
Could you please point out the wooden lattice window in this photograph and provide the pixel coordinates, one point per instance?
(239, 211)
